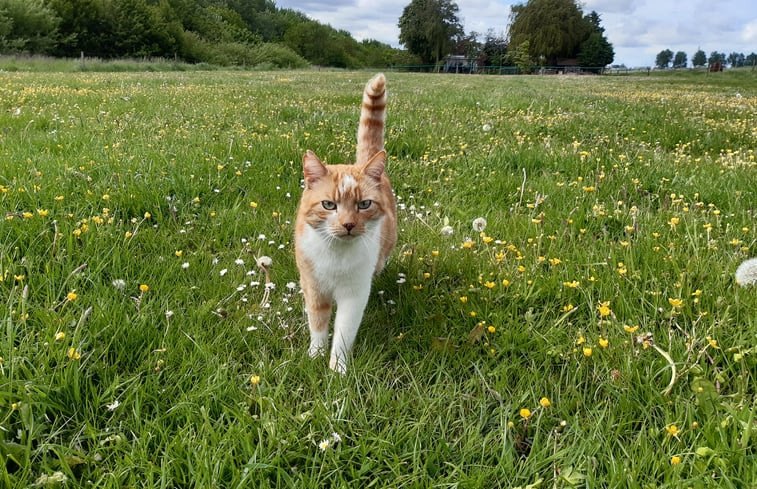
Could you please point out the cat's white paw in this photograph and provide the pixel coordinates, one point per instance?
(317, 350)
(338, 365)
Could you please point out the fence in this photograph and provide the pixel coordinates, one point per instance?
(515, 70)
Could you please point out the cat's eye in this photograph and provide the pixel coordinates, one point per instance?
(328, 205)
(364, 204)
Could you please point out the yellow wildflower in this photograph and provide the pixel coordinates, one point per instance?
(525, 413)
(544, 402)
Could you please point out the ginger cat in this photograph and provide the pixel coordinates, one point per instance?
(345, 230)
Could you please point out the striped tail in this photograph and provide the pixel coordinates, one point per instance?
(370, 131)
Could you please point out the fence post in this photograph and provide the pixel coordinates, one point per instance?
(81, 61)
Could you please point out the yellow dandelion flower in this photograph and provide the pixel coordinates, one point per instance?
(604, 342)
(255, 379)
(178, 253)
(489, 285)
(60, 335)
(525, 413)
(144, 288)
(544, 402)
(505, 283)
(491, 329)
(254, 204)
(675, 460)
(148, 215)
(673, 222)
(464, 299)
(587, 351)
(71, 296)
(675, 302)
(604, 309)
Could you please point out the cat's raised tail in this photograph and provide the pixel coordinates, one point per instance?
(370, 131)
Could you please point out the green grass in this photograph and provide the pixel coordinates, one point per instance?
(642, 190)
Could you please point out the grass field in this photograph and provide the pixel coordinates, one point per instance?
(591, 335)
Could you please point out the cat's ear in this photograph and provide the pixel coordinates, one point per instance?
(375, 167)
(313, 169)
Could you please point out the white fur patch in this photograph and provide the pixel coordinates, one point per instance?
(347, 184)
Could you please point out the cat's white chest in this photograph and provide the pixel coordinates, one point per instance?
(340, 265)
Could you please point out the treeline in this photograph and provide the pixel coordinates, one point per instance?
(666, 58)
(220, 32)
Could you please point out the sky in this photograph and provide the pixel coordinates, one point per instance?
(637, 29)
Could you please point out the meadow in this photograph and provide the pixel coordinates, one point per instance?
(585, 331)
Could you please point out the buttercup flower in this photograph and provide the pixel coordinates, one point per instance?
(525, 413)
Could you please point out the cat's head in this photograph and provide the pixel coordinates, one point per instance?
(344, 201)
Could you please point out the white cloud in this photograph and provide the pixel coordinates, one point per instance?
(749, 32)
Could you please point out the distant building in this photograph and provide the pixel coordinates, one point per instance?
(459, 63)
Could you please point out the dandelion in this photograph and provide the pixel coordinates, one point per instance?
(672, 430)
(544, 402)
(148, 215)
(525, 413)
(491, 329)
(604, 342)
(185, 265)
(73, 354)
(254, 204)
(119, 284)
(587, 351)
(675, 460)
(71, 296)
(479, 224)
(264, 261)
(746, 274)
(144, 288)
(486, 128)
(673, 222)
(630, 329)
(60, 335)
(178, 253)
(255, 379)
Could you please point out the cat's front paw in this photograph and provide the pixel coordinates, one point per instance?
(338, 365)
(317, 349)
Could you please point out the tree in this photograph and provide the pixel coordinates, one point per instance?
(663, 58)
(699, 59)
(27, 26)
(595, 52)
(715, 57)
(751, 60)
(736, 60)
(427, 28)
(493, 50)
(553, 28)
(521, 58)
(680, 60)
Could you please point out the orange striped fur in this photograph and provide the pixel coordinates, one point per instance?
(345, 231)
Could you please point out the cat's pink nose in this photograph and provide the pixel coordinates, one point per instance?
(349, 226)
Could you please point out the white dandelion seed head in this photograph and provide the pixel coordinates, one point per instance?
(185, 265)
(486, 128)
(447, 231)
(291, 286)
(239, 261)
(270, 285)
(746, 274)
(264, 261)
(119, 284)
(479, 224)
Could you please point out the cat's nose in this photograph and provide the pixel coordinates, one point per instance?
(349, 226)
